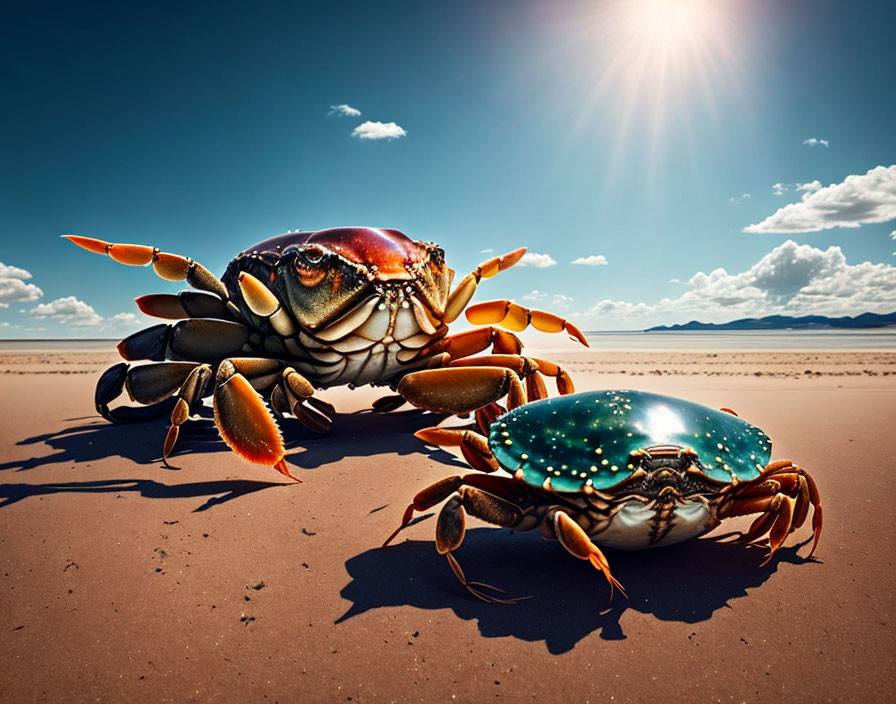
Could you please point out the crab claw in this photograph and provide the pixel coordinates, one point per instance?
(246, 424)
(461, 389)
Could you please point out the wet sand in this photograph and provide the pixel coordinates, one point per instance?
(217, 580)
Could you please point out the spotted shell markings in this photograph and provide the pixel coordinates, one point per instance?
(586, 440)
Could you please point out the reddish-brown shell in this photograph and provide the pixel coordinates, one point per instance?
(388, 253)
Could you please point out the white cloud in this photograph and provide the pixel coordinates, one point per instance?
(893, 235)
(542, 261)
(378, 130)
(71, 311)
(810, 187)
(792, 280)
(778, 189)
(557, 300)
(67, 310)
(13, 272)
(13, 287)
(487, 251)
(344, 110)
(591, 260)
(860, 199)
(125, 319)
(740, 199)
(813, 142)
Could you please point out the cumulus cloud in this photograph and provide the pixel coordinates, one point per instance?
(792, 279)
(344, 110)
(813, 142)
(893, 235)
(67, 310)
(740, 199)
(591, 260)
(13, 287)
(557, 300)
(72, 311)
(542, 261)
(859, 199)
(810, 187)
(779, 189)
(378, 130)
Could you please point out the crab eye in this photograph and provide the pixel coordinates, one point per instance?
(312, 255)
(308, 266)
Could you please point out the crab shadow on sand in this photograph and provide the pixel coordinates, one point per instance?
(569, 599)
(356, 434)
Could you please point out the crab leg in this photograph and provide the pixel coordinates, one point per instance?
(577, 542)
(172, 267)
(782, 494)
(451, 527)
(195, 339)
(154, 391)
(517, 318)
(151, 383)
(294, 394)
(436, 493)
(478, 495)
(461, 295)
(470, 342)
(189, 399)
(186, 304)
(389, 403)
(473, 446)
(457, 391)
(526, 368)
(487, 415)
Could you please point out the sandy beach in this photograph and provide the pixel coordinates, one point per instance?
(121, 578)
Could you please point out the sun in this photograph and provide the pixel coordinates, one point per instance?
(670, 22)
(677, 40)
(657, 66)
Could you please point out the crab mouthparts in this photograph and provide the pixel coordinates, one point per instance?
(665, 477)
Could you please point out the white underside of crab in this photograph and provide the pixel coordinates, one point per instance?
(632, 526)
(377, 339)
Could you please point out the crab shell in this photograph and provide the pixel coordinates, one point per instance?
(601, 442)
(588, 439)
(321, 274)
(352, 305)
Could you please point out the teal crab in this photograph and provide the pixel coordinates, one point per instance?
(623, 469)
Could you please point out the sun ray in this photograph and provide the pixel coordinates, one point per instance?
(657, 66)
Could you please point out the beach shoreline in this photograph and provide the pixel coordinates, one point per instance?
(216, 579)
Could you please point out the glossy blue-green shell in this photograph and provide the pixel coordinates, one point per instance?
(589, 436)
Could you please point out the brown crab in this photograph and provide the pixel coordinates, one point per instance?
(310, 310)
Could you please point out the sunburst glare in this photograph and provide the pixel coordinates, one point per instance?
(656, 64)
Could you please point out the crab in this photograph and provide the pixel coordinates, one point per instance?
(623, 469)
(310, 310)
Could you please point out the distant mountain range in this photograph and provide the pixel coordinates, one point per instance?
(786, 322)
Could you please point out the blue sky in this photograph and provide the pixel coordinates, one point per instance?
(625, 133)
